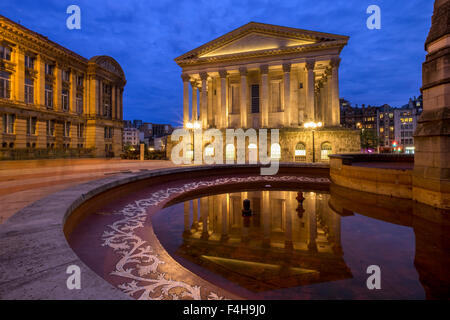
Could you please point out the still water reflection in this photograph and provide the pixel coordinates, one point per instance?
(294, 246)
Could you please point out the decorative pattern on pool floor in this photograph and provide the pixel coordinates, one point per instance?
(140, 265)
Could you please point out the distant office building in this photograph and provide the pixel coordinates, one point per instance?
(137, 124)
(131, 136)
(393, 128)
(127, 124)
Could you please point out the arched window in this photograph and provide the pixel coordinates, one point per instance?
(209, 151)
(230, 153)
(275, 151)
(325, 150)
(300, 152)
(189, 152)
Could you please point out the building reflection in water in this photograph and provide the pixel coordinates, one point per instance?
(284, 243)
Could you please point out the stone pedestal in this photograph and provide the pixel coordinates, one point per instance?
(431, 177)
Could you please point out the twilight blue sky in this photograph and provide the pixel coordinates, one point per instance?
(377, 67)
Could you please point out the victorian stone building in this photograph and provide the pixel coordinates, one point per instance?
(53, 99)
(267, 76)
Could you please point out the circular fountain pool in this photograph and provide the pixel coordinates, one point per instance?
(187, 239)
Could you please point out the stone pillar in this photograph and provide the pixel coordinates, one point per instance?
(185, 78)
(210, 94)
(320, 104)
(204, 100)
(331, 121)
(310, 114)
(243, 96)
(114, 101)
(73, 91)
(19, 75)
(264, 70)
(335, 106)
(194, 101)
(431, 174)
(40, 82)
(287, 93)
(222, 92)
(57, 89)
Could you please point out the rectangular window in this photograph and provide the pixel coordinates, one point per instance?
(275, 96)
(8, 123)
(29, 90)
(65, 75)
(79, 103)
(80, 130)
(5, 53)
(107, 100)
(49, 95)
(49, 69)
(255, 98)
(29, 62)
(65, 99)
(5, 85)
(66, 129)
(79, 81)
(50, 128)
(31, 125)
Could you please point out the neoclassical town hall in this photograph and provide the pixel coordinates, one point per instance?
(267, 76)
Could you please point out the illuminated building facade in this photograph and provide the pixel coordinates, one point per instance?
(53, 99)
(266, 76)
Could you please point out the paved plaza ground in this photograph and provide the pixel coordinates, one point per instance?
(23, 182)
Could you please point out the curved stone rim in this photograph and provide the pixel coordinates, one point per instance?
(35, 254)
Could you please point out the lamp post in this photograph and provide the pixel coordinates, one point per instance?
(313, 125)
(192, 126)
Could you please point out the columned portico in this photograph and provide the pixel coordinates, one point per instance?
(292, 81)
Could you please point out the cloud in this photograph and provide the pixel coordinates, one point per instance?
(378, 66)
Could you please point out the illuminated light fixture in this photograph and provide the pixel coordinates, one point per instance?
(193, 125)
(252, 146)
(313, 125)
(209, 151)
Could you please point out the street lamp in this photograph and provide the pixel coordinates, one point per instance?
(191, 126)
(313, 125)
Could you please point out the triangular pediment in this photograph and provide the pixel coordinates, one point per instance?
(255, 41)
(261, 39)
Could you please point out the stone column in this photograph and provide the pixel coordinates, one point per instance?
(335, 107)
(431, 174)
(113, 102)
(222, 92)
(310, 114)
(40, 81)
(204, 100)
(243, 96)
(185, 78)
(18, 86)
(194, 101)
(264, 70)
(320, 90)
(330, 116)
(287, 94)
(57, 89)
(210, 94)
(73, 91)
